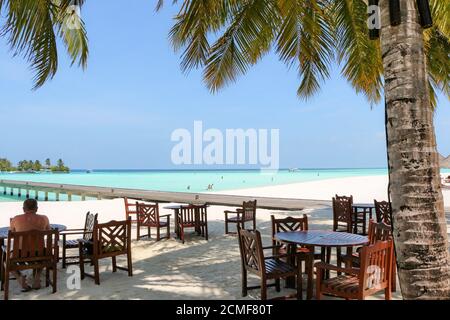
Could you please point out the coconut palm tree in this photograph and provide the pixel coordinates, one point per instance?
(227, 37)
(32, 28)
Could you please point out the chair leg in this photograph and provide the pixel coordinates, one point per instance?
(54, 280)
(6, 284)
(47, 276)
(277, 285)
(388, 293)
(81, 261)
(263, 289)
(168, 228)
(206, 230)
(64, 256)
(96, 272)
(244, 283)
(114, 264)
(226, 227)
(318, 284)
(299, 285)
(138, 233)
(129, 263)
(158, 233)
(182, 234)
(339, 259)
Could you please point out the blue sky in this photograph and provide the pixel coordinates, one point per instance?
(120, 112)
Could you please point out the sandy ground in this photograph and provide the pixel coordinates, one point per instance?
(198, 269)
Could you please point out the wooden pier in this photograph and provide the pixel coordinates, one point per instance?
(28, 189)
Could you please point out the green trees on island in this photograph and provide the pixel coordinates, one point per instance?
(33, 166)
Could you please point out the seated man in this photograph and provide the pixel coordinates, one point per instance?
(28, 221)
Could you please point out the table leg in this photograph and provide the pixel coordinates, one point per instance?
(177, 231)
(291, 249)
(309, 268)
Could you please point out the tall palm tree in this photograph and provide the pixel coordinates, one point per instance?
(227, 37)
(32, 28)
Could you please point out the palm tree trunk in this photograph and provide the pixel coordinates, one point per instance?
(420, 230)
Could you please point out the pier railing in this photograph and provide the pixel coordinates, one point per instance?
(28, 189)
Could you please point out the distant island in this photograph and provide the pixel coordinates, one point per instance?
(444, 162)
(30, 166)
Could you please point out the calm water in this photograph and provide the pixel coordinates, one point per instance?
(189, 181)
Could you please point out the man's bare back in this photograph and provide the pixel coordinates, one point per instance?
(30, 221)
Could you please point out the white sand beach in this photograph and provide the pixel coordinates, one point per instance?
(198, 269)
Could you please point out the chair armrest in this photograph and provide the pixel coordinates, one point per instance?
(165, 215)
(277, 256)
(229, 211)
(327, 266)
(73, 233)
(70, 230)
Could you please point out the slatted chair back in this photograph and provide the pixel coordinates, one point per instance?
(147, 214)
(342, 213)
(249, 210)
(202, 211)
(251, 249)
(130, 207)
(383, 210)
(89, 226)
(376, 267)
(32, 246)
(288, 224)
(112, 238)
(379, 231)
(187, 214)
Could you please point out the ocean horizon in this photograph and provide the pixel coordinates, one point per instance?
(188, 180)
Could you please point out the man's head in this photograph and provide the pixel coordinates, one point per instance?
(30, 206)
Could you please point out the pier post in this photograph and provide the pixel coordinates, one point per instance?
(36, 194)
(19, 194)
(69, 196)
(28, 194)
(99, 197)
(57, 196)
(4, 190)
(83, 197)
(46, 196)
(12, 192)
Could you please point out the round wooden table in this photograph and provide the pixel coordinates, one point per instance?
(320, 238)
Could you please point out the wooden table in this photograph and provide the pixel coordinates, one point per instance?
(319, 238)
(176, 211)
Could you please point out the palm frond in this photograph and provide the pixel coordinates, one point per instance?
(305, 39)
(360, 56)
(247, 38)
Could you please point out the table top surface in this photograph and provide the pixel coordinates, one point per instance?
(4, 231)
(322, 238)
(174, 207)
(363, 205)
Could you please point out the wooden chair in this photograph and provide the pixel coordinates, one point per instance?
(30, 250)
(109, 240)
(148, 216)
(192, 216)
(86, 233)
(267, 268)
(130, 209)
(378, 231)
(374, 274)
(344, 218)
(383, 210)
(241, 215)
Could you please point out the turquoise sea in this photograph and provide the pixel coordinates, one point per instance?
(186, 180)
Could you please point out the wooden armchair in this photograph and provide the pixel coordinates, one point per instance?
(148, 216)
(86, 233)
(265, 267)
(192, 216)
(130, 209)
(377, 232)
(109, 240)
(374, 274)
(35, 250)
(241, 215)
(383, 210)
